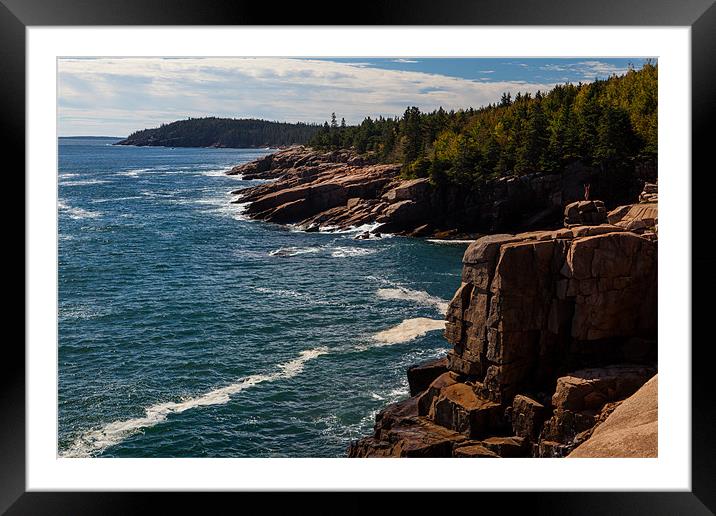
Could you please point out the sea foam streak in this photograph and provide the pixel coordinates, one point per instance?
(293, 251)
(76, 213)
(346, 252)
(83, 182)
(408, 330)
(449, 242)
(417, 296)
(95, 441)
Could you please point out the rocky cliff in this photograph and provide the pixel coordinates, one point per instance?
(340, 189)
(551, 332)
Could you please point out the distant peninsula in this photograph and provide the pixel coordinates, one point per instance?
(223, 132)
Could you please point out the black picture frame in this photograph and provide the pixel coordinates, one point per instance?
(700, 15)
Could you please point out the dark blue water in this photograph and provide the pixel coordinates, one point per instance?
(187, 331)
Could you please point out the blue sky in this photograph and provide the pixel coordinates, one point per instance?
(115, 96)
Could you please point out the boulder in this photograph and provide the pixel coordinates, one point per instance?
(507, 447)
(528, 416)
(585, 213)
(579, 390)
(394, 412)
(650, 193)
(473, 450)
(426, 400)
(415, 190)
(420, 376)
(409, 437)
(459, 408)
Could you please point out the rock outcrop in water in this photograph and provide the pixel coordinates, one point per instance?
(340, 189)
(551, 332)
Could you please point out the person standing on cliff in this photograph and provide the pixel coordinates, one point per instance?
(586, 192)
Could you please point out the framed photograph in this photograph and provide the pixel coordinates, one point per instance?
(288, 252)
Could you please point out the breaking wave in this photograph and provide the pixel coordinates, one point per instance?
(221, 172)
(76, 213)
(293, 251)
(83, 182)
(416, 296)
(97, 440)
(345, 252)
(449, 242)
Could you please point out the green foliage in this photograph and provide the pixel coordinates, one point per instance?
(601, 123)
(224, 132)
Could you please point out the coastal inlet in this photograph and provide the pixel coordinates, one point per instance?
(188, 330)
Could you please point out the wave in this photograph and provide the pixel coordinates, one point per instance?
(238, 210)
(95, 441)
(354, 229)
(76, 213)
(67, 175)
(83, 182)
(408, 330)
(449, 242)
(346, 252)
(336, 252)
(115, 199)
(220, 172)
(293, 251)
(133, 172)
(417, 296)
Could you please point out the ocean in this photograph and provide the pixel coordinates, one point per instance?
(188, 330)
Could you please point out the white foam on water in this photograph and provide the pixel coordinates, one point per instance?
(76, 213)
(132, 173)
(114, 199)
(351, 229)
(346, 252)
(408, 330)
(220, 172)
(449, 242)
(416, 296)
(222, 205)
(67, 175)
(95, 441)
(239, 213)
(83, 182)
(364, 227)
(293, 251)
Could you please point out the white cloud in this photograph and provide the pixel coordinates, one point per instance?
(116, 96)
(588, 70)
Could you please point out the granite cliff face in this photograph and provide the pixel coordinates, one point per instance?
(551, 332)
(341, 189)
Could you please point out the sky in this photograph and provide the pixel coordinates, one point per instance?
(117, 96)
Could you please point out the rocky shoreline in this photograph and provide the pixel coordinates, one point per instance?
(341, 189)
(554, 338)
(554, 332)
